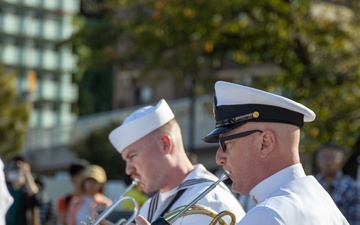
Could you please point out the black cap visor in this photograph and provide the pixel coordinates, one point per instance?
(213, 136)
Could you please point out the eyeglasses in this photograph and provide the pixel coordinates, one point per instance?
(238, 135)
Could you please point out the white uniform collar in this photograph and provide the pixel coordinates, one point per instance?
(199, 172)
(275, 181)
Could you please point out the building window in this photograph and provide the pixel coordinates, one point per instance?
(37, 105)
(143, 95)
(54, 107)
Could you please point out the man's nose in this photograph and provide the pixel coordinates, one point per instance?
(219, 158)
(129, 169)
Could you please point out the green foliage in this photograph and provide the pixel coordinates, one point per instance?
(14, 117)
(96, 148)
(95, 81)
(318, 55)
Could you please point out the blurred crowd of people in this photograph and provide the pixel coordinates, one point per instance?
(23, 200)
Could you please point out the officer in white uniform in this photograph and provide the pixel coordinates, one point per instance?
(259, 134)
(150, 142)
(5, 198)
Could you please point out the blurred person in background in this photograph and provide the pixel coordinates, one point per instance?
(92, 200)
(75, 171)
(47, 213)
(23, 189)
(5, 198)
(342, 188)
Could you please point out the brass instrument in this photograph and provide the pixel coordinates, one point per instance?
(203, 210)
(193, 208)
(111, 208)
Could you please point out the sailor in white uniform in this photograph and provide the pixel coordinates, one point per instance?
(259, 134)
(150, 142)
(219, 199)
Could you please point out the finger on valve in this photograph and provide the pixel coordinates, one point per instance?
(106, 222)
(141, 221)
(95, 215)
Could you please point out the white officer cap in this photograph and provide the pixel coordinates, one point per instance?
(140, 123)
(234, 105)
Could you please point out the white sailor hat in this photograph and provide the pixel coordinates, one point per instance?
(234, 105)
(140, 123)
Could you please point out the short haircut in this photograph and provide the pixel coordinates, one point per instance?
(18, 158)
(77, 167)
(331, 145)
(12, 164)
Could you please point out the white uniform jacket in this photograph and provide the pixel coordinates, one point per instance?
(219, 199)
(5, 198)
(292, 198)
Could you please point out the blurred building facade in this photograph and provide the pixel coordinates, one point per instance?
(30, 33)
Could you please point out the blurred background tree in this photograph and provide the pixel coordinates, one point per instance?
(14, 116)
(96, 148)
(314, 43)
(95, 81)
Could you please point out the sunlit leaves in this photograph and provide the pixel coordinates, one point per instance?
(318, 53)
(14, 117)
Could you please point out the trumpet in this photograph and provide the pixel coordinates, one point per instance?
(193, 208)
(121, 199)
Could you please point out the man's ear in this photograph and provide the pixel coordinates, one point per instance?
(167, 143)
(268, 143)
